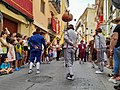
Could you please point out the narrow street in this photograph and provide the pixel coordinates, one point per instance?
(52, 77)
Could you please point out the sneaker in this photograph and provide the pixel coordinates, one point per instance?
(80, 62)
(34, 65)
(30, 71)
(48, 62)
(38, 71)
(117, 87)
(66, 65)
(93, 66)
(112, 80)
(83, 62)
(70, 77)
(17, 69)
(22, 66)
(110, 75)
(98, 72)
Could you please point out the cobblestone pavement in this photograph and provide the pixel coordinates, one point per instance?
(52, 77)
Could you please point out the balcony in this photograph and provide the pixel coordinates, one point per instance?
(56, 4)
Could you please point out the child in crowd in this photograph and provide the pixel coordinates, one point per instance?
(50, 54)
(11, 52)
(5, 66)
(54, 52)
(25, 47)
(18, 48)
(49, 57)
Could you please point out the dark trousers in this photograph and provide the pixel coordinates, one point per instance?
(58, 55)
(85, 57)
(35, 54)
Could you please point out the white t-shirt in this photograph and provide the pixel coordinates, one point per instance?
(25, 42)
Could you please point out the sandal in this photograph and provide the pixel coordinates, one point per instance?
(110, 75)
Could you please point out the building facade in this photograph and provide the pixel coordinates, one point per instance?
(24, 16)
(17, 15)
(86, 25)
(109, 12)
(47, 16)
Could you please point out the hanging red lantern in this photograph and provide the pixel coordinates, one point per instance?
(67, 17)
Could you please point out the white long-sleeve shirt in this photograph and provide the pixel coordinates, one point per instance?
(100, 41)
(70, 38)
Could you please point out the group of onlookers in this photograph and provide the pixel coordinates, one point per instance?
(103, 53)
(14, 51)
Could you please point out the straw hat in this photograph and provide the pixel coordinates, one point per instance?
(116, 20)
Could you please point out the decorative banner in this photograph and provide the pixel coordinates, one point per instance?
(24, 6)
(53, 21)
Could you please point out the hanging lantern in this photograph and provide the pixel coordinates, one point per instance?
(67, 17)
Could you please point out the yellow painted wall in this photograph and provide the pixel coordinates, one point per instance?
(91, 23)
(23, 30)
(41, 20)
(39, 17)
(87, 19)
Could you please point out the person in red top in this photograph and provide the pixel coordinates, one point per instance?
(82, 48)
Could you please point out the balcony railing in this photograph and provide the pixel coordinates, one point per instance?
(56, 4)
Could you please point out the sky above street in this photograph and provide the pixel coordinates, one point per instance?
(77, 8)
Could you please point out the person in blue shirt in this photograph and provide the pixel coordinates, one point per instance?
(5, 66)
(36, 41)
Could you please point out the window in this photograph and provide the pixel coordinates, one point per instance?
(42, 6)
